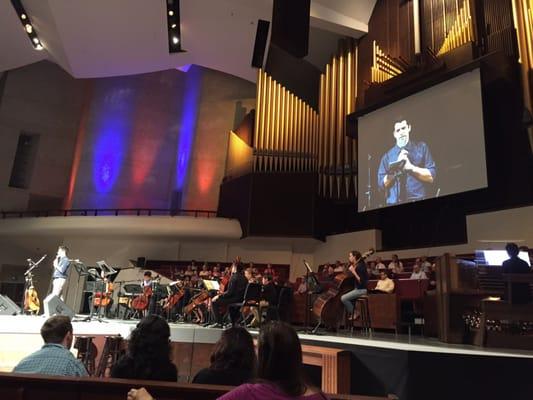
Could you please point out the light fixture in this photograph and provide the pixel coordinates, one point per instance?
(173, 26)
(27, 25)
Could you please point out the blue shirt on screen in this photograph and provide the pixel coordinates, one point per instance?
(407, 187)
(51, 359)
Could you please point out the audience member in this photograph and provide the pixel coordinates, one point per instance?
(54, 358)
(248, 274)
(417, 272)
(232, 361)
(379, 263)
(302, 287)
(425, 264)
(385, 284)
(216, 271)
(395, 266)
(204, 273)
(279, 370)
(148, 355)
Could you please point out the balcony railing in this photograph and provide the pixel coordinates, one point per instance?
(95, 212)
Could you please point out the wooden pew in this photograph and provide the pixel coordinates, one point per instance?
(29, 387)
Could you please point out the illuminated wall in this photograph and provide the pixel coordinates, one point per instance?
(155, 140)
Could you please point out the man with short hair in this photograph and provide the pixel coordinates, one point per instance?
(54, 358)
(515, 265)
(417, 272)
(406, 169)
(61, 265)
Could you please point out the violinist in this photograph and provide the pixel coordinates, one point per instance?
(357, 267)
(234, 294)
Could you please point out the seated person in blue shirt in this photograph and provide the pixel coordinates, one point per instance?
(54, 358)
(408, 180)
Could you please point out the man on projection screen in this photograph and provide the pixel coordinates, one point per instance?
(406, 170)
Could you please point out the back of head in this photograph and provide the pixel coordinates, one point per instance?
(512, 249)
(150, 340)
(279, 358)
(234, 350)
(56, 328)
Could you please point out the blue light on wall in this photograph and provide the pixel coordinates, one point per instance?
(189, 115)
(114, 123)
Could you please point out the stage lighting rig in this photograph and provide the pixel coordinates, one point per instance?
(173, 26)
(27, 25)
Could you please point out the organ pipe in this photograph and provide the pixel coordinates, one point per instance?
(286, 128)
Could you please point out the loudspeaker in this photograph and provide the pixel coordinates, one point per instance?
(290, 26)
(8, 306)
(53, 305)
(261, 36)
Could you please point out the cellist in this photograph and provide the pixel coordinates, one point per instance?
(357, 267)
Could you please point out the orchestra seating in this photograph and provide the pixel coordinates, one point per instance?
(27, 387)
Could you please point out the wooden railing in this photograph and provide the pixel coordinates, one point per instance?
(27, 387)
(109, 212)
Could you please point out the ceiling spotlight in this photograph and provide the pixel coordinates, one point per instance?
(171, 13)
(35, 40)
(29, 28)
(23, 16)
(175, 40)
(173, 26)
(38, 47)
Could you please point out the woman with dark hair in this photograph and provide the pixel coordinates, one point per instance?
(279, 370)
(232, 361)
(148, 355)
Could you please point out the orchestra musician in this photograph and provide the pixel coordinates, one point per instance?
(103, 298)
(357, 267)
(146, 285)
(234, 294)
(268, 297)
(59, 277)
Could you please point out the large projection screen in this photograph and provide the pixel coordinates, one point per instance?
(426, 145)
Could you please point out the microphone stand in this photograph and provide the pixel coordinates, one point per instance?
(28, 276)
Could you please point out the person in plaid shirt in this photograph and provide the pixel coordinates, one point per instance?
(54, 358)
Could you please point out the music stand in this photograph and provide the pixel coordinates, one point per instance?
(309, 275)
(93, 272)
(82, 270)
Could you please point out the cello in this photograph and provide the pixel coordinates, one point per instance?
(141, 302)
(327, 308)
(103, 299)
